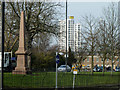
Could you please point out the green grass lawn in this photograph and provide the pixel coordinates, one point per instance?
(47, 79)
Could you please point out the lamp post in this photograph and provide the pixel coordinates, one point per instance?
(3, 19)
(66, 36)
(24, 5)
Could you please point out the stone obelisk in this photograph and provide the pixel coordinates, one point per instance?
(21, 53)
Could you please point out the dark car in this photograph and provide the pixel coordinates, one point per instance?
(117, 69)
(97, 69)
(100, 69)
(87, 68)
(108, 69)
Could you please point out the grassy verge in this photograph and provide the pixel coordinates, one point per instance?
(47, 79)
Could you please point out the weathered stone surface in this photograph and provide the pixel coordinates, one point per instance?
(21, 52)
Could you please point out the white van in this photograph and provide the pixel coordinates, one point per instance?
(7, 58)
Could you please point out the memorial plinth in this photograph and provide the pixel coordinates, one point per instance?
(21, 53)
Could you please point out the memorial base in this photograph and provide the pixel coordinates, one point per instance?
(21, 72)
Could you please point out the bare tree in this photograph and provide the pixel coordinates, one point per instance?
(42, 41)
(112, 28)
(39, 17)
(81, 53)
(90, 34)
(102, 42)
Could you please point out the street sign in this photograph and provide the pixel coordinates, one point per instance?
(13, 58)
(57, 59)
(75, 71)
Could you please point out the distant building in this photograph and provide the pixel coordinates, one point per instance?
(62, 36)
(77, 36)
(0, 28)
(73, 35)
(99, 62)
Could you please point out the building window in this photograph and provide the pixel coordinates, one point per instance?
(97, 60)
(88, 59)
(101, 60)
(83, 60)
(118, 60)
(112, 60)
(107, 60)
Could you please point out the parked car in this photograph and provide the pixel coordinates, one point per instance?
(100, 69)
(87, 68)
(108, 69)
(96, 69)
(62, 68)
(117, 69)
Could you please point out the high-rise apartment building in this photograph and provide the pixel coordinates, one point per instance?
(0, 28)
(77, 36)
(62, 36)
(73, 35)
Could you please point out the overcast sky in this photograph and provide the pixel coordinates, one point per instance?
(78, 9)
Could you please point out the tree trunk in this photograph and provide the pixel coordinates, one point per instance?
(28, 46)
(29, 62)
(92, 66)
(103, 66)
(112, 67)
(29, 57)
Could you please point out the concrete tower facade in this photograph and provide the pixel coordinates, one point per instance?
(73, 35)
